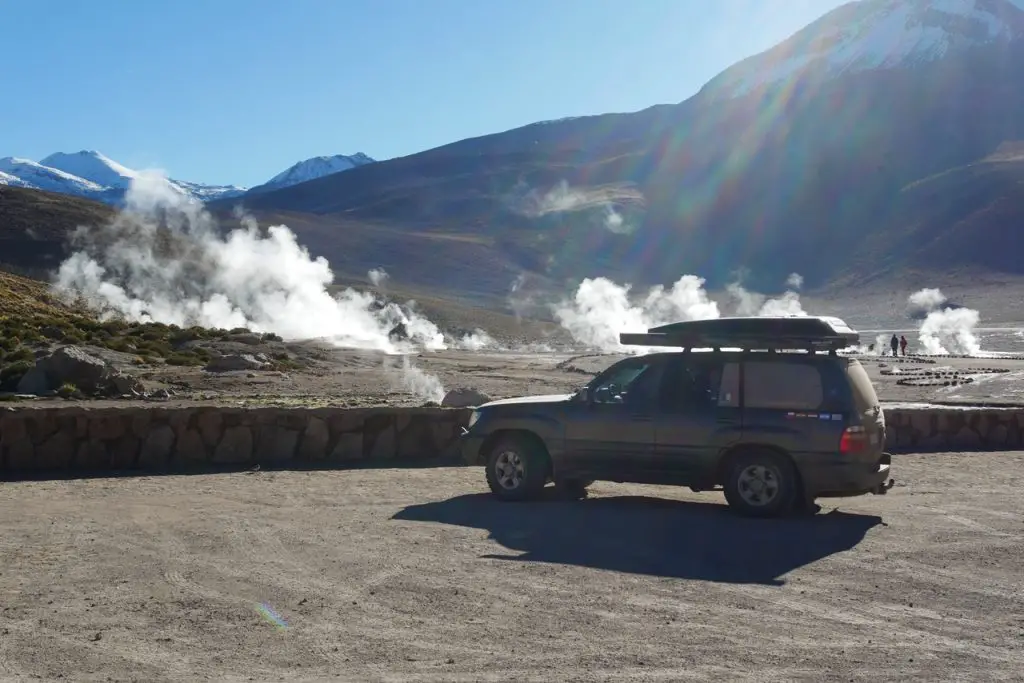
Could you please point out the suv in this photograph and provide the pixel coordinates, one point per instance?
(767, 412)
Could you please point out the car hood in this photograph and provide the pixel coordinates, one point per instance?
(548, 398)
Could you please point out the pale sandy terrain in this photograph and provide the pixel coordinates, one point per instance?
(418, 575)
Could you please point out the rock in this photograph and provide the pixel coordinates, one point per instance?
(210, 423)
(248, 338)
(156, 450)
(385, 443)
(124, 384)
(34, 382)
(464, 397)
(349, 447)
(314, 440)
(72, 365)
(235, 447)
(399, 332)
(190, 448)
(276, 444)
(92, 455)
(56, 453)
(235, 362)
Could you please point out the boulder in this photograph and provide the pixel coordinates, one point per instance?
(122, 383)
(464, 397)
(72, 365)
(34, 382)
(399, 333)
(235, 362)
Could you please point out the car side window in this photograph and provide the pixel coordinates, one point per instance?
(628, 383)
(696, 384)
(782, 385)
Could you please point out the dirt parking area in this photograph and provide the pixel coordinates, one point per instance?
(418, 575)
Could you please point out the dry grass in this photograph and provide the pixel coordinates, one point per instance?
(33, 318)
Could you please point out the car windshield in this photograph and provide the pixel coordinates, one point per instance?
(615, 384)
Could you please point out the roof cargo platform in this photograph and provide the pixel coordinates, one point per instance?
(806, 333)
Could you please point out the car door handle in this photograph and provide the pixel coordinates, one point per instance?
(727, 421)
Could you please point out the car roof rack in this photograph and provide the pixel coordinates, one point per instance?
(804, 333)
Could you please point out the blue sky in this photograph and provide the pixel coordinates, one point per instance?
(234, 91)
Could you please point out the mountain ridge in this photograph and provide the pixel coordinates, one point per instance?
(93, 175)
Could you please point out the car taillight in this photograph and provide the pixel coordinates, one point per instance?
(854, 440)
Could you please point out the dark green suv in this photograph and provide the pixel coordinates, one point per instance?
(762, 408)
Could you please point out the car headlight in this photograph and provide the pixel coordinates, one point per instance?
(473, 418)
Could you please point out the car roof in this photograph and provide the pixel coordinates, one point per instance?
(812, 333)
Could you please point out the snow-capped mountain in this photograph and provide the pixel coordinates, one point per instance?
(317, 167)
(93, 175)
(870, 35)
(41, 177)
(92, 166)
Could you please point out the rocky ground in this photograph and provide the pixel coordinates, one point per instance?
(419, 575)
(321, 375)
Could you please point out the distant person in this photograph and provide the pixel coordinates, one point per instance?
(903, 345)
(894, 343)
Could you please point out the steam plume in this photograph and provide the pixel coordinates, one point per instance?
(752, 303)
(163, 259)
(601, 309)
(945, 329)
(564, 198)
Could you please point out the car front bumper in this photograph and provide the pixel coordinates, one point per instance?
(470, 444)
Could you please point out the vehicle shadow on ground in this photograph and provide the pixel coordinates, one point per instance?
(658, 537)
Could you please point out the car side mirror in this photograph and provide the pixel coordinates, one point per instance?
(583, 395)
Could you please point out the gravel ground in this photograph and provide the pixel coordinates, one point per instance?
(418, 575)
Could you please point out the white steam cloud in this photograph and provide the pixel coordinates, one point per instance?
(564, 198)
(601, 309)
(163, 259)
(752, 303)
(945, 330)
(927, 299)
(378, 277)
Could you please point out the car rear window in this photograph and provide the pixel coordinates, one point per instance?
(782, 385)
(863, 391)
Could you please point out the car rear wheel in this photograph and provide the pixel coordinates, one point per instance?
(516, 469)
(761, 484)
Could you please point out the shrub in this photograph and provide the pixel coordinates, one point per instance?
(181, 359)
(19, 354)
(11, 374)
(67, 390)
(271, 337)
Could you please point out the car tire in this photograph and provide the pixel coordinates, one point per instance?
(761, 483)
(517, 469)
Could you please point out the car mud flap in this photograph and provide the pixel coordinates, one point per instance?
(884, 487)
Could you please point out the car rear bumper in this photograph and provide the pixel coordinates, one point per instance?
(837, 480)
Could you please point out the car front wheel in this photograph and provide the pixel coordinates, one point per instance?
(516, 469)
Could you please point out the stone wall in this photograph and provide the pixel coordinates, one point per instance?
(931, 428)
(161, 439)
